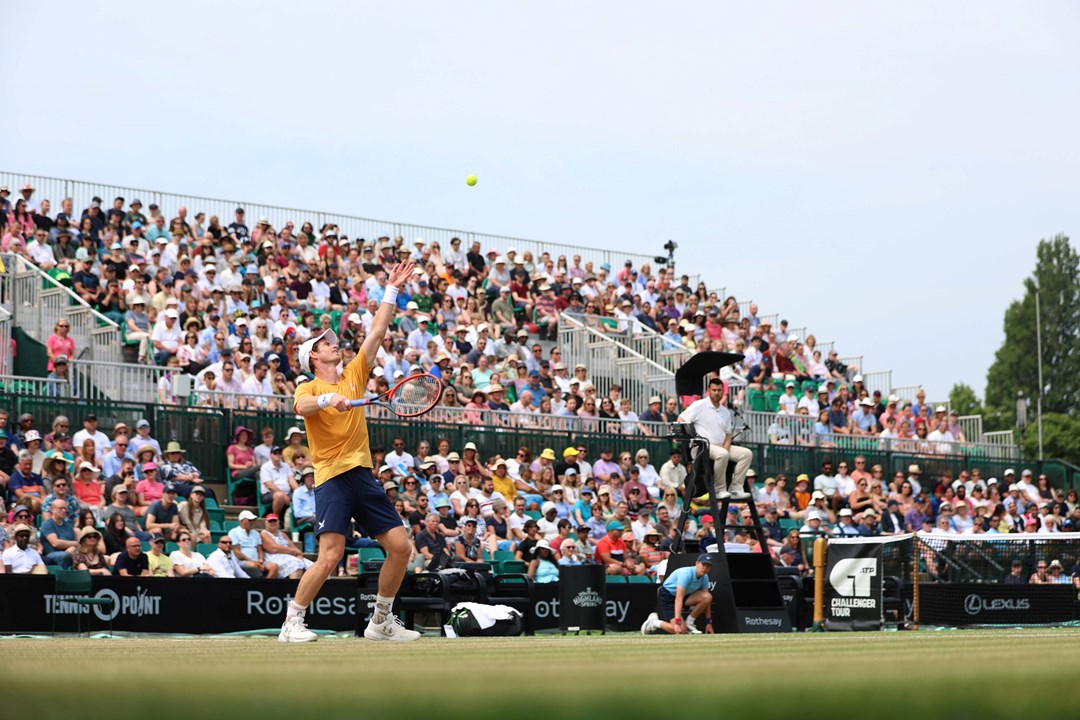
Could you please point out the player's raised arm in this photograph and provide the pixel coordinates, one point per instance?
(309, 404)
(387, 308)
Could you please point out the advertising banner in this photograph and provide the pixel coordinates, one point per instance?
(853, 587)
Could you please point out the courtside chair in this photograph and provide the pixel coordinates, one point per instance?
(77, 584)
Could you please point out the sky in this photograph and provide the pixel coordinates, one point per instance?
(880, 173)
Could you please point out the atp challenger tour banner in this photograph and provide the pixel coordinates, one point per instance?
(853, 588)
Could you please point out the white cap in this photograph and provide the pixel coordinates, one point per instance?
(846, 512)
(939, 408)
(307, 347)
(293, 431)
(857, 378)
(354, 318)
(412, 306)
(171, 313)
(32, 435)
(87, 466)
(246, 515)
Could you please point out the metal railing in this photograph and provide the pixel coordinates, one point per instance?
(1000, 438)
(7, 347)
(35, 301)
(639, 338)
(854, 361)
(24, 386)
(130, 382)
(906, 393)
(55, 189)
(611, 362)
(972, 427)
(799, 430)
(878, 380)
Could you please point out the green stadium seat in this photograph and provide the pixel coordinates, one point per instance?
(616, 579)
(503, 555)
(145, 547)
(809, 385)
(171, 547)
(772, 400)
(206, 548)
(639, 580)
(511, 566)
(371, 554)
(230, 524)
(535, 515)
(232, 484)
(757, 400)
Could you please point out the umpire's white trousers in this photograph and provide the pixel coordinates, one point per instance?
(721, 457)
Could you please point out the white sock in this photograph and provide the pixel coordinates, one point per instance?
(295, 610)
(382, 608)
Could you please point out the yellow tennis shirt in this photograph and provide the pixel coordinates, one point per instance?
(338, 440)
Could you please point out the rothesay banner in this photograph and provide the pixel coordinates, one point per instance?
(853, 588)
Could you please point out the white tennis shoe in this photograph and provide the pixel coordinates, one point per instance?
(692, 628)
(651, 624)
(391, 630)
(293, 630)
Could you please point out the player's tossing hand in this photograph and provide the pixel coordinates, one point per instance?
(340, 403)
(401, 273)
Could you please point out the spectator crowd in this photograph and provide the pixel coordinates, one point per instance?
(91, 500)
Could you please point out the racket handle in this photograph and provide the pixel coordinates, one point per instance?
(359, 403)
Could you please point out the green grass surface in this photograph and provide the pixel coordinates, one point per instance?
(917, 676)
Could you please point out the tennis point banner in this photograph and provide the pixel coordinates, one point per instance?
(853, 586)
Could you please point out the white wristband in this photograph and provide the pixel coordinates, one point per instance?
(324, 400)
(390, 295)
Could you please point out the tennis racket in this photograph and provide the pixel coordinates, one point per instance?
(411, 397)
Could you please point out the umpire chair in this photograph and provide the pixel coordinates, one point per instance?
(746, 593)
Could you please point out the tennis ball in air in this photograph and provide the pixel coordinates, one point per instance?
(470, 180)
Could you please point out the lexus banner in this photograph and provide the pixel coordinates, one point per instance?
(853, 586)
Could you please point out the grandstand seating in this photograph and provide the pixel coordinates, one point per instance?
(234, 309)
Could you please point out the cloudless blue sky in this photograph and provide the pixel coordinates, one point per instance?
(878, 172)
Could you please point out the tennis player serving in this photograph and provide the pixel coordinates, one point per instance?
(344, 484)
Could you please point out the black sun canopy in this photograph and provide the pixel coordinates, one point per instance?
(688, 378)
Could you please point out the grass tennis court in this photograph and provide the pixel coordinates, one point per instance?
(916, 676)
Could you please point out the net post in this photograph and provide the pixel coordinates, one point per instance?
(820, 546)
(915, 583)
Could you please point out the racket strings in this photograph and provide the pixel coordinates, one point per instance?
(416, 395)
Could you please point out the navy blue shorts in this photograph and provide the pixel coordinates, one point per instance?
(666, 605)
(357, 495)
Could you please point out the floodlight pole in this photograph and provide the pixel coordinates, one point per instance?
(1038, 351)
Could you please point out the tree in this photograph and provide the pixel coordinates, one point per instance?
(963, 400)
(1061, 438)
(1015, 367)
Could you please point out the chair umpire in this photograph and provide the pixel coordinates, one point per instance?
(713, 421)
